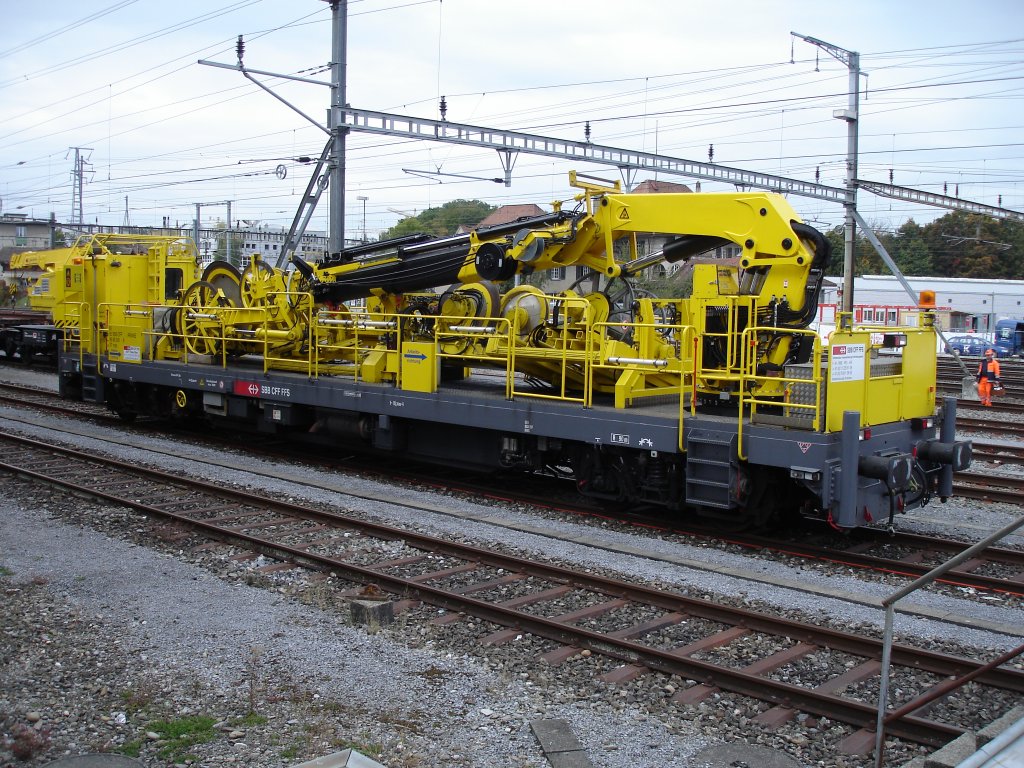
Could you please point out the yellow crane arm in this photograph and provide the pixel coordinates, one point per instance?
(779, 254)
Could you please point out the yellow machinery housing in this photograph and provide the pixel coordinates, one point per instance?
(79, 284)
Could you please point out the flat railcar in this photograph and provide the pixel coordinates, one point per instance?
(720, 403)
(28, 335)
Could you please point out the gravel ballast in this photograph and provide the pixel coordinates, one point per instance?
(104, 641)
(104, 638)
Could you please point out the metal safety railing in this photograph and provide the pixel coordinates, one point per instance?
(778, 390)
(77, 330)
(674, 376)
(578, 356)
(945, 689)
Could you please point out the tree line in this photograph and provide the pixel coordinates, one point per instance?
(959, 244)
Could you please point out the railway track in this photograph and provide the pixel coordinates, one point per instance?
(900, 553)
(887, 552)
(998, 406)
(1012, 371)
(916, 554)
(950, 382)
(1001, 488)
(990, 426)
(642, 630)
(998, 453)
(22, 396)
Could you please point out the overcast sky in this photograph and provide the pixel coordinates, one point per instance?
(120, 79)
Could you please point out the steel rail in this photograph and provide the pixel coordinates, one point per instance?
(827, 554)
(782, 694)
(961, 578)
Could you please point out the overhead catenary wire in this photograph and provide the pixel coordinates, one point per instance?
(66, 28)
(614, 102)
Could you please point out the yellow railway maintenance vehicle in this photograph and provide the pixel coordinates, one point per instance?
(723, 402)
(57, 301)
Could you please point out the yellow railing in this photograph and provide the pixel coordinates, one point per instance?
(77, 330)
(783, 386)
(475, 339)
(357, 340)
(729, 343)
(569, 352)
(341, 340)
(679, 368)
(578, 359)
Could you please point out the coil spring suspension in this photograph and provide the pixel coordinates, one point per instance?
(657, 474)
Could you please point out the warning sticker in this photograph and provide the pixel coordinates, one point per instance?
(847, 362)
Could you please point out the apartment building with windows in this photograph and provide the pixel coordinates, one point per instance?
(19, 232)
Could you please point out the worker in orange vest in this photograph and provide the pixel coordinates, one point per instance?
(988, 374)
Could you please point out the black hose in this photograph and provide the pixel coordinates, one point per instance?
(812, 292)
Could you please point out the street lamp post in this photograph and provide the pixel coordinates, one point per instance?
(363, 199)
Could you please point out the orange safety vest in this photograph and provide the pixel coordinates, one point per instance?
(988, 369)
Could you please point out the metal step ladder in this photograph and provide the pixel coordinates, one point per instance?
(711, 471)
(92, 387)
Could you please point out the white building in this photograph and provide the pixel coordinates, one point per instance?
(962, 303)
(248, 241)
(269, 242)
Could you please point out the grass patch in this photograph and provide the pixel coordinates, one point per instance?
(250, 720)
(131, 748)
(137, 699)
(5, 571)
(370, 750)
(182, 734)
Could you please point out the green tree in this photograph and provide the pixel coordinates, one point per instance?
(865, 260)
(442, 221)
(914, 258)
(835, 262)
(675, 286)
(221, 251)
(946, 259)
(869, 262)
(910, 252)
(1012, 259)
(972, 245)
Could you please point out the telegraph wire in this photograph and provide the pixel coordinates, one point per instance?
(66, 28)
(786, 100)
(211, 50)
(634, 116)
(706, 110)
(131, 43)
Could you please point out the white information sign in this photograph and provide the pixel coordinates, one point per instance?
(847, 362)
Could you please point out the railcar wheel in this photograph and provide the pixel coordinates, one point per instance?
(224, 276)
(604, 477)
(123, 400)
(257, 283)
